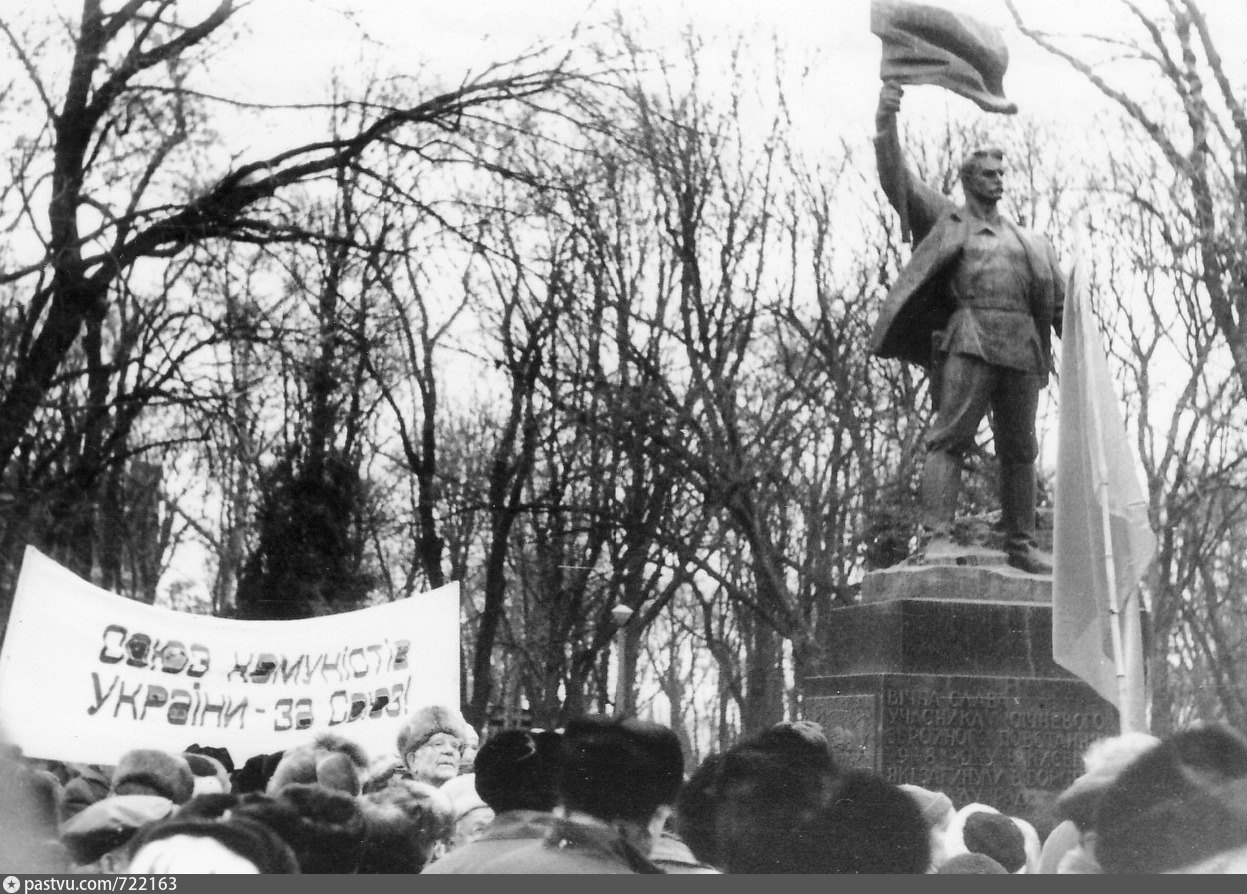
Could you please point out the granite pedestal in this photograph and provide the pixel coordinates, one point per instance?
(943, 677)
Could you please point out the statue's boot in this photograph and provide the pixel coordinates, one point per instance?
(1017, 511)
(941, 485)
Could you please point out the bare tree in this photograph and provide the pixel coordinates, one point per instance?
(1202, 144)
(126, 65)
(1185, 400)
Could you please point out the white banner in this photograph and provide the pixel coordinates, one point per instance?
(87, 675)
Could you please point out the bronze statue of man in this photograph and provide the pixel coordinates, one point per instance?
(975, 305)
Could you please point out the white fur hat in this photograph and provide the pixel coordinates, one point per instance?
(427, 722)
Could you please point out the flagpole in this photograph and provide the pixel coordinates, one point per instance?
(1110, 569)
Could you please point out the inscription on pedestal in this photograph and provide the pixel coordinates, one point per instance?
(1008, 742)
(1000, 742)
(851, 723)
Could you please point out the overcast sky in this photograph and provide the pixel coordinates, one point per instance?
(287, 51)
(288, 48)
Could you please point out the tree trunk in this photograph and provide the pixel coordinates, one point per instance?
(628, 662)
(764, 679)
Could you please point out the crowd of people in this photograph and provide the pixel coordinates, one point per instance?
(608, 795)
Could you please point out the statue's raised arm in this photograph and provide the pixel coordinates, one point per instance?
(893, 174)
(917, 204)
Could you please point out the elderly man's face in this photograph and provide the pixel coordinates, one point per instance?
(471, 825)
(437, 759)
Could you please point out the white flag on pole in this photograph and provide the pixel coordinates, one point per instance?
(1103, 541)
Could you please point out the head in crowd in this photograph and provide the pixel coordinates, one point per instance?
(43, 793)
(938, 813)
(665, 756)
(323, 827)
(231, 846)
(210, 775)
(801, 742)
(619, 770)
(87, 783)
(406, 826)
(971, 864)
(255, 773)
(1070, 847)
(384, 771)
(212, 805)
(431, 744)
(220, 755)
(1103, 762)
(329, 761)
(146, 771)
(866, 826)
(518, 770)
(467, 762)
(1181, 806)
(954, 840)
(98, 835)
(471, 813)
(997, 836)
(28, 818)
(744, 811)
(696, 811)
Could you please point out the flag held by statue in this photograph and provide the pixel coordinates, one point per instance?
(924, 43)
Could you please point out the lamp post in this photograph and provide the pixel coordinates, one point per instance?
(621, 615)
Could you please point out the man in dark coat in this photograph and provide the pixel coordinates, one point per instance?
(617, 780)
(975, 306)
(517, 775)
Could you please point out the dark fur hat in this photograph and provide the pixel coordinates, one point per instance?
(616, 769)
(324, 828)
(403, 825)
(1177, 805)
(518, 770)
(147, 771)
(868, 826)
(330, 761)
